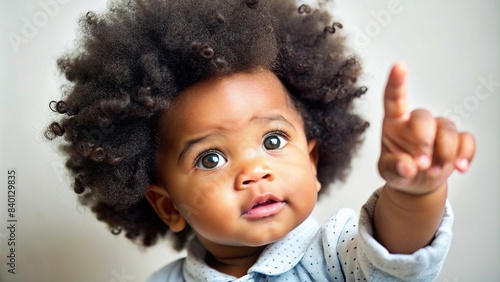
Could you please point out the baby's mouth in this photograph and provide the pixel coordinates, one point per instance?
(264, 206)
(268, 202)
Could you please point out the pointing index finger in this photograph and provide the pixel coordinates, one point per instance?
(396, 96)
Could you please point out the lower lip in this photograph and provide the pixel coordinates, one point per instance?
(264, 211)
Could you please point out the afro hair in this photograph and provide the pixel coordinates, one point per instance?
(134, 58)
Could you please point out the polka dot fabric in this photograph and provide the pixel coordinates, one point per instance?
(335, 251)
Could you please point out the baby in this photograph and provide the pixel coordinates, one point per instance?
(222, 121)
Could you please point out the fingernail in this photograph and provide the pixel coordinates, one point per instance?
(400, 166)
(463, 164)
(423, 161)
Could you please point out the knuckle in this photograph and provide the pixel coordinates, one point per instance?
(447, 125)
(421, 114)
(423, 144)
(469, 137)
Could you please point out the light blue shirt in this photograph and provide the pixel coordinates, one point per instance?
(340, 250)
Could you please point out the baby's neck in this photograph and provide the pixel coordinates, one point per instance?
(232, 260)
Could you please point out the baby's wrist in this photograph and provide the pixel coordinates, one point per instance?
(417, 202)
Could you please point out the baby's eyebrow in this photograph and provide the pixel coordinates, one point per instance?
(270, 118)
(190, 143)
(274, 118)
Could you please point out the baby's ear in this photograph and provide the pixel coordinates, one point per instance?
(312, 147)
(161, 202)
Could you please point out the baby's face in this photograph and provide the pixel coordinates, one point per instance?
(235, 160)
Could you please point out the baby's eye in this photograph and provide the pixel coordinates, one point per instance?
(210, 160)
(273, 142)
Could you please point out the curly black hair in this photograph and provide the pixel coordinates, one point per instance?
(133, 59)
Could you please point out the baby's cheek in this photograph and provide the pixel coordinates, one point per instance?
(205, 193)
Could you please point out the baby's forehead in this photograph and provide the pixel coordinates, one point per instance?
(231, 101)
(253, 83)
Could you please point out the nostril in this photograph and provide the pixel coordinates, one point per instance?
(254, 178)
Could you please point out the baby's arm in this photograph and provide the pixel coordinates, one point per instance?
(419, 152)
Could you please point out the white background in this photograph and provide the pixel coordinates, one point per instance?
(448, 46)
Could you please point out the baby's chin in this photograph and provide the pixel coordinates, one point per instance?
(262, 243)
(257, 239)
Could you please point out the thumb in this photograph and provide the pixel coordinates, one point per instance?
(397, 167)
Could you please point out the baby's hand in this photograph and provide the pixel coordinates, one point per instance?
(419, 151)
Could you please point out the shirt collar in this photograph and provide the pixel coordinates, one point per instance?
(283, 255)
(277, 257)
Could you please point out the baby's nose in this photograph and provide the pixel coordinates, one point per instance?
(253, 168)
